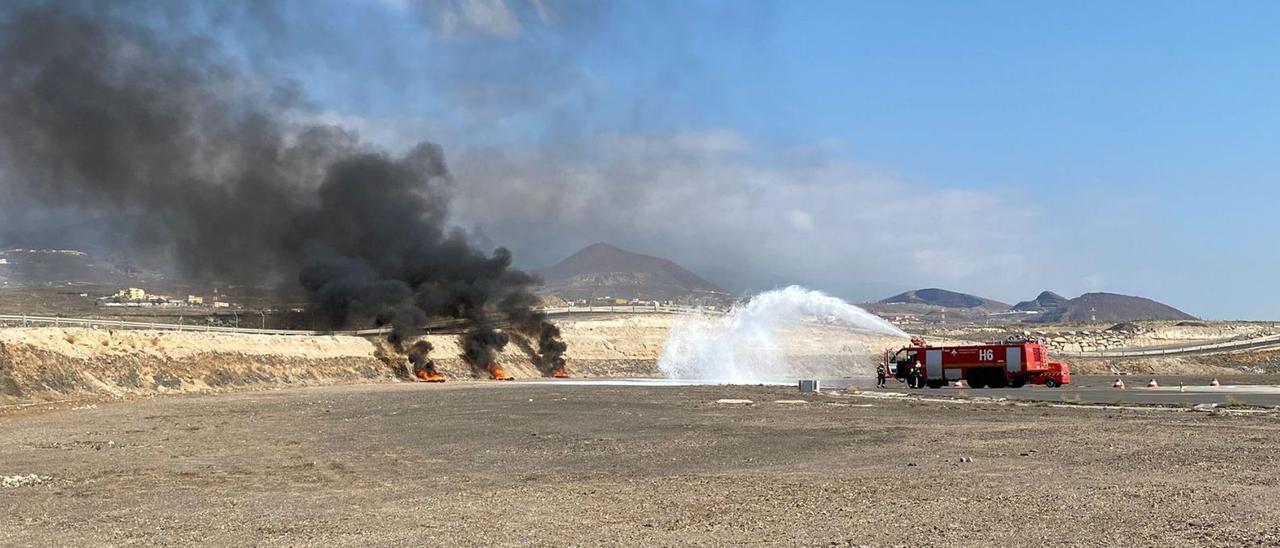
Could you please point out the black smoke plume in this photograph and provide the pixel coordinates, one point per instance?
(483, 344)
(420, 360)
(200, 164)
(550, 347)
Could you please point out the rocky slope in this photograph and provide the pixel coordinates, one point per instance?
(53, 364)
(1045, 301)
(945, 299)
(1110, 307)
(602, 270)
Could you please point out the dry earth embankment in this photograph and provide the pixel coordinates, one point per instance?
(42, 364)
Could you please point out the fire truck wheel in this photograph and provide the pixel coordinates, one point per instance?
(1051, 383)
(976, 382)
(1017, 384)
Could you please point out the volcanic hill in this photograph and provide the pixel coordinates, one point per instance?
(1108, 307)
(945, 299)
(603, 271)
(1047, 307)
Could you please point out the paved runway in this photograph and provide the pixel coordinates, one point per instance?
(1083, 389)
(1090, 389)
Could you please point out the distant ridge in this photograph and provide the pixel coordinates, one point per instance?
(602, 270)
(944, 298)
(1047, 300)
(21, 266)
(1109, 307)
(1047, 307)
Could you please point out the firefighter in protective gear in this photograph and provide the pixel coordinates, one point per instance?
(881, 375)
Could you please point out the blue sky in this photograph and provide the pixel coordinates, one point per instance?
(997, 148)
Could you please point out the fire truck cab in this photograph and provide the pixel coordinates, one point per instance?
(995, 365)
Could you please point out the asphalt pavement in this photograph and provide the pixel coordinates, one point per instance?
(1252, 390)
(1096, 389)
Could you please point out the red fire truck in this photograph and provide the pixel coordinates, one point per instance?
(994, 365)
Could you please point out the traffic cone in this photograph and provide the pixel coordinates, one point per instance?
(1153, 384)
(1214, 382)
(1118, 384)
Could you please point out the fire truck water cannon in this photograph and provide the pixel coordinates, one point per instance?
(995, 365)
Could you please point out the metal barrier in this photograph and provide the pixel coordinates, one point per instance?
(58, 321)
(1236, 344)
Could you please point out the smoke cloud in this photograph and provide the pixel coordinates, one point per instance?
(420, 360)
(196, 162)
(551, 347)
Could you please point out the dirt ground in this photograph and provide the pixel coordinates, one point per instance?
(547, 464)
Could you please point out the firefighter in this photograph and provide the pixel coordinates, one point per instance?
(916, 381)
(881, 374)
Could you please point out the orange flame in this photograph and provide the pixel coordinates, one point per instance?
(559, 372)
(429, 376)
(496, 373)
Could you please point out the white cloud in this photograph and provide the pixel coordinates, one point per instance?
(693, 198)
(800, 220)
(467, 18)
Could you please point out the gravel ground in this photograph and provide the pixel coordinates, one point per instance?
(484, 464)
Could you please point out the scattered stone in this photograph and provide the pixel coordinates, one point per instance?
(28, 480)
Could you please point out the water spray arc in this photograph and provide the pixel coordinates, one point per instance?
(744, 346)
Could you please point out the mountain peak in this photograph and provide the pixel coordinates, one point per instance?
(944, 298)
(1110, 307)
(1049, 296)
(605, 270)
(1046, 300)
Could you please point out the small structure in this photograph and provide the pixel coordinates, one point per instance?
(132, 295)
(808, 386)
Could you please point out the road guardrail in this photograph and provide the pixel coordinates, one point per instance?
(96, 323)
(1223, 346)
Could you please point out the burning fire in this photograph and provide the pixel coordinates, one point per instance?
(429, 376)
(423, 368)
(557, 370)
(496, 373)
